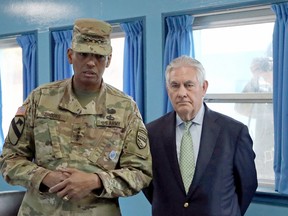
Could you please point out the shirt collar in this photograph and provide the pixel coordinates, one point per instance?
(197, 120)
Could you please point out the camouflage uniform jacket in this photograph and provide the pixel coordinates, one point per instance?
(52, 130)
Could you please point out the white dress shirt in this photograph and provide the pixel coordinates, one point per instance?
(195, 131)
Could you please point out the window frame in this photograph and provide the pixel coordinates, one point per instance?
(7, 42)
(227, 18)
(237, 17)
(117, 32)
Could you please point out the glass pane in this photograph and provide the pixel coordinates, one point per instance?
(12, 84)
(113, 75)
(259, 119)
(227, 54)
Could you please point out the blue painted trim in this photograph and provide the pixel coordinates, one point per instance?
(131, 19)
(271, 198)
(63, 28)
(3, 36)
(223, 7)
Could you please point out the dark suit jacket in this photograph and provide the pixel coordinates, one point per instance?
(225, 177)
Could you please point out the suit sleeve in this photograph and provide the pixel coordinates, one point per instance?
(148, 191)
(246, 176)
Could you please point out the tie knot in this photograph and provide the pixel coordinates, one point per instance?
(187, 125)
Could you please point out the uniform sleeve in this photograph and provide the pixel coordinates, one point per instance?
(16, 161)
(135, 165)
(246, 176)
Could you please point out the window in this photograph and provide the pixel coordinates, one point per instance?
(235, 48)
(11, 80)
(113, 75)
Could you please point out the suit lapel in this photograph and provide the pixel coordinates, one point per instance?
(209, 136)
(169, 134)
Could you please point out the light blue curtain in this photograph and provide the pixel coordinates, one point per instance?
(133, 73)
(179, 41)
(28, 45)
(61, 67)
(280, 96)
(1, 130)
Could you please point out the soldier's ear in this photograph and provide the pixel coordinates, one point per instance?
(108, 60)
(69, 55)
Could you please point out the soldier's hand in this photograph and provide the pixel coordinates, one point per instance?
(54, 177)
(78, 185)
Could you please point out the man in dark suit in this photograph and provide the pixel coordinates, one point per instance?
(222, 178)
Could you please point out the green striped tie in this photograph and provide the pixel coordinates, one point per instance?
(187, 162)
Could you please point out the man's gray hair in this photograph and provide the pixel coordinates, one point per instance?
(188, 62)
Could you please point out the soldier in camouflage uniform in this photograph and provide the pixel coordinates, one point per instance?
(78, 144)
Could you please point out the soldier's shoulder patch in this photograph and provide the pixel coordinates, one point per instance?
(17, 125)
(142, 138)
(16, 129)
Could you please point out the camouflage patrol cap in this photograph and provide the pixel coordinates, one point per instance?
(92, 36)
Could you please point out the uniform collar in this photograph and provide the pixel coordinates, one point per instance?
(96, 106)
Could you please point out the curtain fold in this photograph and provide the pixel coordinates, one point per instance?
(1, 129)
(280, 96)
(133, 72)
(28, 45)
(179, 41)
(61, 67)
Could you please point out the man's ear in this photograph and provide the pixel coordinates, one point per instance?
(108, 60)
(69, 55)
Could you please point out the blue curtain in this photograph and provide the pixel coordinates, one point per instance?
(280, 96)
(133, 73)
(61, 67)
(28, 45)
(1, 130)
(179, 41)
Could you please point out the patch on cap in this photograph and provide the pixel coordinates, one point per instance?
(92, 36)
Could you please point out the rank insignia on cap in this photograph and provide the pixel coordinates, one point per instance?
(141, 138)
(16, 129)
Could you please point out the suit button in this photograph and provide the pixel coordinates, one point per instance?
(186, 205)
